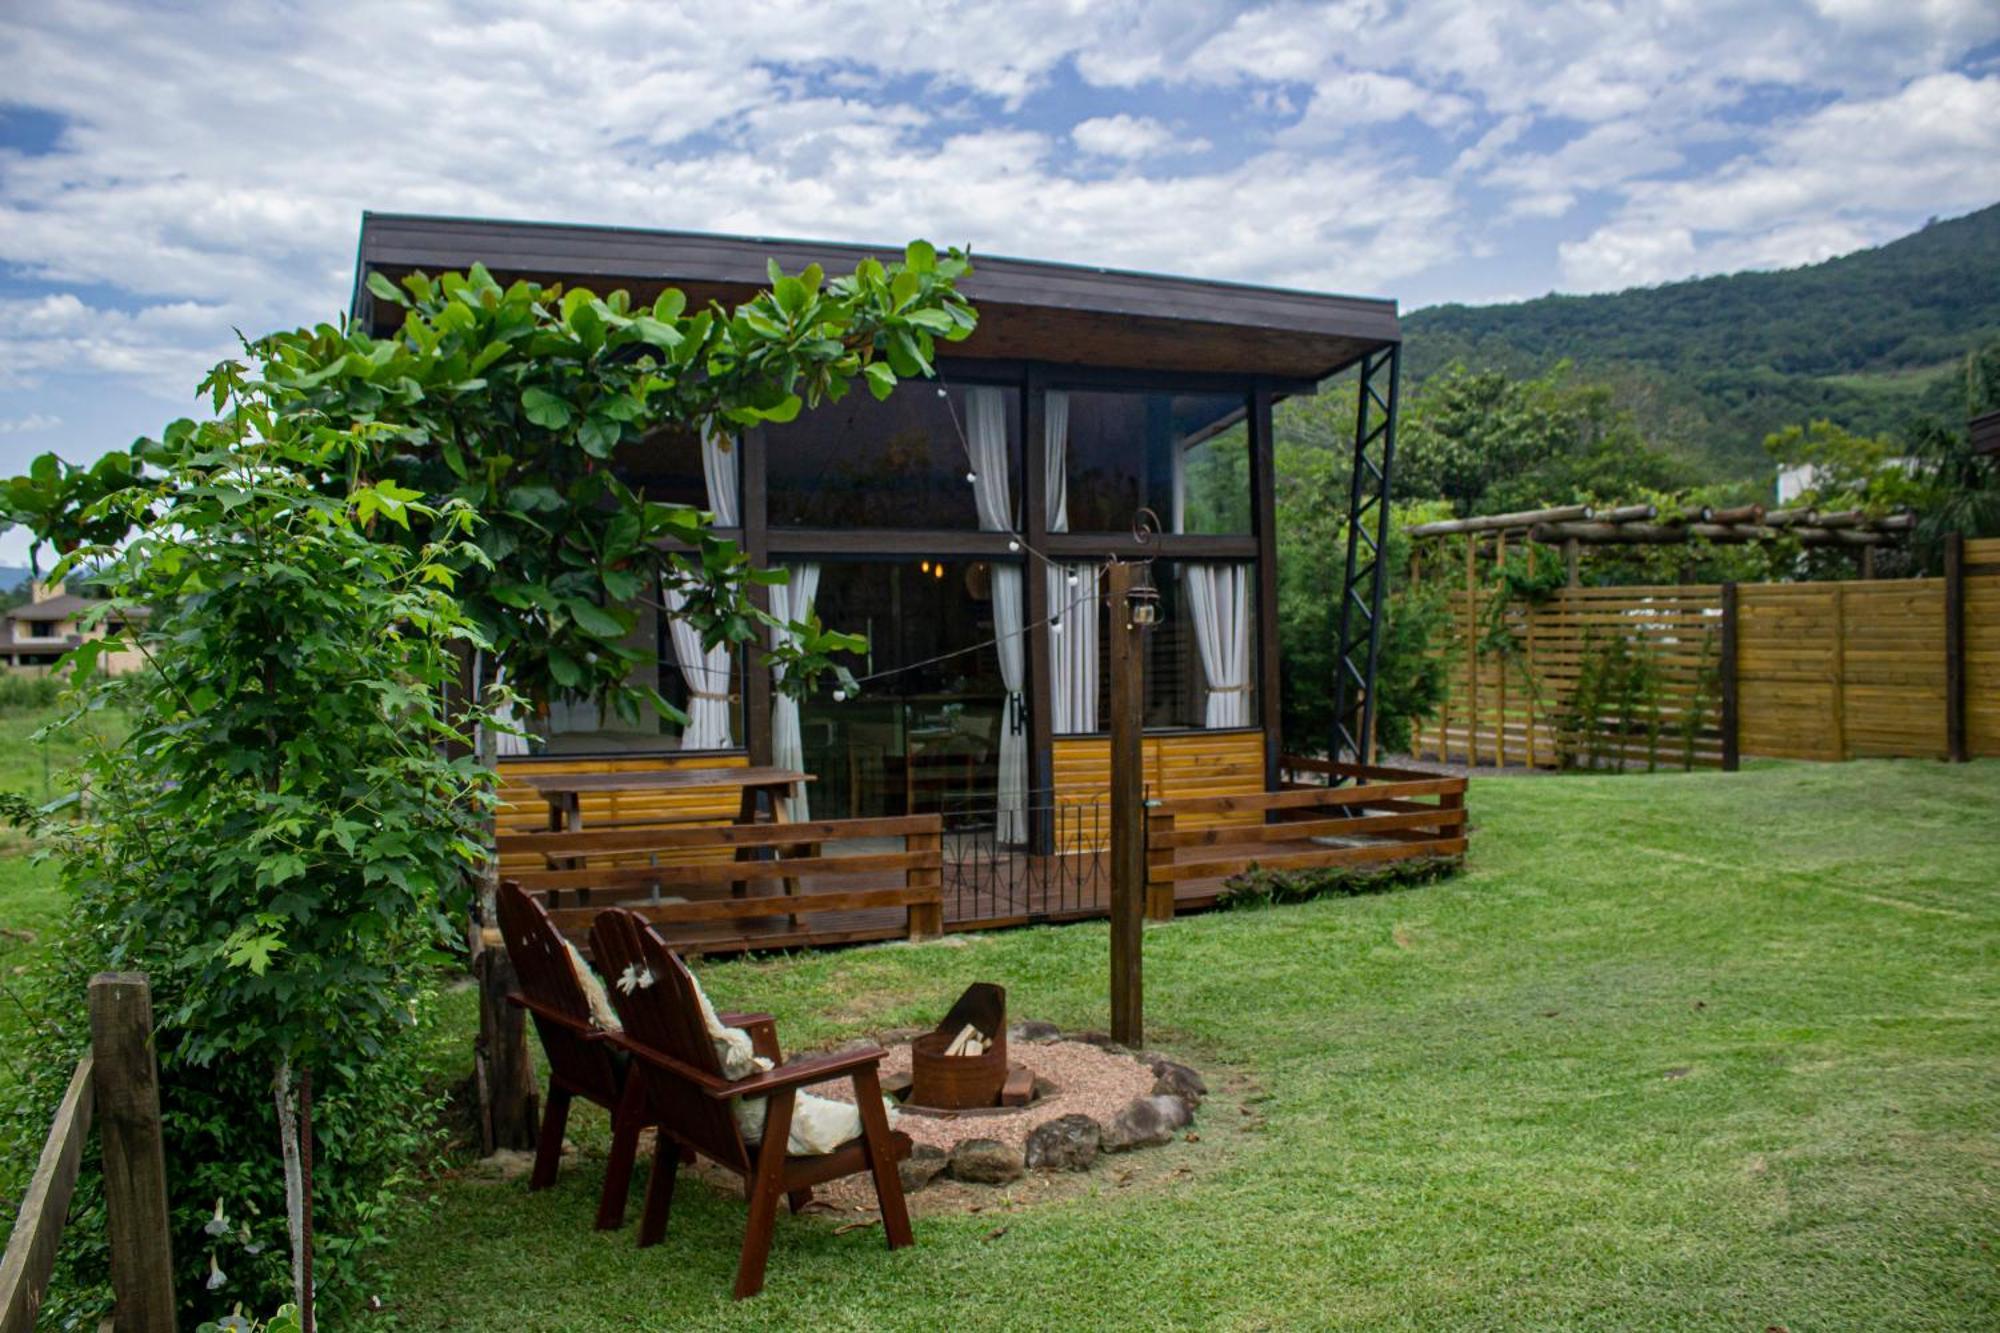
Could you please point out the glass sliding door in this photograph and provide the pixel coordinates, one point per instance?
(926, 732)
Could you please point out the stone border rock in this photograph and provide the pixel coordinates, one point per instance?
(1071, 1142)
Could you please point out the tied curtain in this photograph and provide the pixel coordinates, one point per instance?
(986, 434)
(791, 601)
(1219, 603)
(1073, 648)
(706, 670)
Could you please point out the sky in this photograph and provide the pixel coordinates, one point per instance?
(170, 173)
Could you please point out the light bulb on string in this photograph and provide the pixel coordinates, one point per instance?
(840, 696)
(1074, 578)
(1013, 545)
(972, 477)
(1055, 624)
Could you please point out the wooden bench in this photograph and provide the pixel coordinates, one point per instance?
(1381, 815)
(719, 891)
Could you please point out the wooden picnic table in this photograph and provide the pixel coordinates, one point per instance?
(564, 793)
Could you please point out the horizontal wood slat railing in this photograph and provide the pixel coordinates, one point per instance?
(31, 1251)
(114, 1089)
(1380, 815)
(819, 880)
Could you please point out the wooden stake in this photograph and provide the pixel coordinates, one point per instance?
(1839, 671)
(1954, 648)
(127, 1087)
(1500, 731)
(1471, 658)
(1726, 684)
(1534, 681)
(1127, 654)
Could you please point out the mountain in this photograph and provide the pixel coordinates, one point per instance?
(1712, 365)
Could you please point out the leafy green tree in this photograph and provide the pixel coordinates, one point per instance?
(279, 841)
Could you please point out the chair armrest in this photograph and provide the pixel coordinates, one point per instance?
(763, 1030)
(799, 1073)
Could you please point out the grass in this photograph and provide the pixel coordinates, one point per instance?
(1677, 1051)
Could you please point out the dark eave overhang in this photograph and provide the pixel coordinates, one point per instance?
(1029, 310)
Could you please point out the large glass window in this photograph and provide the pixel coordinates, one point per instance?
(1201, 658)
(666, 467)
(1184, 456)
(927, 736)
(705, 685)
(905, 462)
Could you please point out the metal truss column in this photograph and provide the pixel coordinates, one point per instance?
(1364, 582)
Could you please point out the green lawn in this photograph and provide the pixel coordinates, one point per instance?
(1677, 1051)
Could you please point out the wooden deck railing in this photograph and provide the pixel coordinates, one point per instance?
(116, 1084)
(814, 880)
(1384, 814)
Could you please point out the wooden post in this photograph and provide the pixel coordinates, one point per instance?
(1159, 892)
(127, 1087)
(1534, 681)
(1839, 710)
(1500, 667)
(1954, 648)
(926, 919)
(1127, 653)
(1732, 722)
(506, 1076)
(1572, 560)
(1471, 656)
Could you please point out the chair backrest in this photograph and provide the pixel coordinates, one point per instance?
(543, 968)
(661, 1013)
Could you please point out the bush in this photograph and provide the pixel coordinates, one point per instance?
(21, 693)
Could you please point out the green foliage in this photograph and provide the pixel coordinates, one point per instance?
(278, 842)
(1312, 455)
(20, 693)
(512, 401)
(1492, 443)
(1710, 367)
(1273, 888)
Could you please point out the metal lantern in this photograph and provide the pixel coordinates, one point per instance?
(1142, 604)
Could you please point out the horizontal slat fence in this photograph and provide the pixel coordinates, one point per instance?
(1829, 671)
(1594, 677)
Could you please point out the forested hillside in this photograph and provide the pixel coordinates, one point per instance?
(1710, 367)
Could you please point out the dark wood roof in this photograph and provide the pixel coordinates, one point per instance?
(1028, 309)
(1986, 434)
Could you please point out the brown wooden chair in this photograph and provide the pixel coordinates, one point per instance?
(581, 1062)
(686, 1094)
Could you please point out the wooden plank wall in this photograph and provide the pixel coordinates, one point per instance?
(1194, 763)
(1505, 707)
(1982, 647)
(521, 811)
(1825, 671)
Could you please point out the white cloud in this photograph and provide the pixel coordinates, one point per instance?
(215, 164)
(29, 424)
(1827, 183)
(1131, 137)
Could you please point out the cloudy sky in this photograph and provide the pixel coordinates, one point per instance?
(171, 171)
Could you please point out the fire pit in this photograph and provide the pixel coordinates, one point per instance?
(962, 1065)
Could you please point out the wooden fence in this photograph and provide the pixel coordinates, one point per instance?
(1681, 676)
(116, 1084)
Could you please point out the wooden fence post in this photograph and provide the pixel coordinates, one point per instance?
(127, 1087)
(1839, 710)
(1954, 648)
(1128, 811)
(1159, 892)
(1732, 718)
(926, 921)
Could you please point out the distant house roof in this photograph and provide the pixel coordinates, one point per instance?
(1986, 434)
(52, 608)
(1028, 309)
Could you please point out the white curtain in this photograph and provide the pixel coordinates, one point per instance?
(718, 465)
(1219, 600)
(706, 671)
(791, 601)
(1055, 457)
(986, 432)
(1073, 649)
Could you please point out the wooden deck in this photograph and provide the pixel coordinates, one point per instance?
(1026, 893)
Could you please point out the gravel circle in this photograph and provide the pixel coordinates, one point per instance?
(1089, 1081)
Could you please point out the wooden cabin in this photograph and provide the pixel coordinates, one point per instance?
(961, 526)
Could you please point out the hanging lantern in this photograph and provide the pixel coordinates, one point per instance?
(1142, 602)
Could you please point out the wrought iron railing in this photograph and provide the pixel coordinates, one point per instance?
(1048, 862)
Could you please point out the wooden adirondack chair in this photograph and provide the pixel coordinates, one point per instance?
(674, 1058)
(582, 1063)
